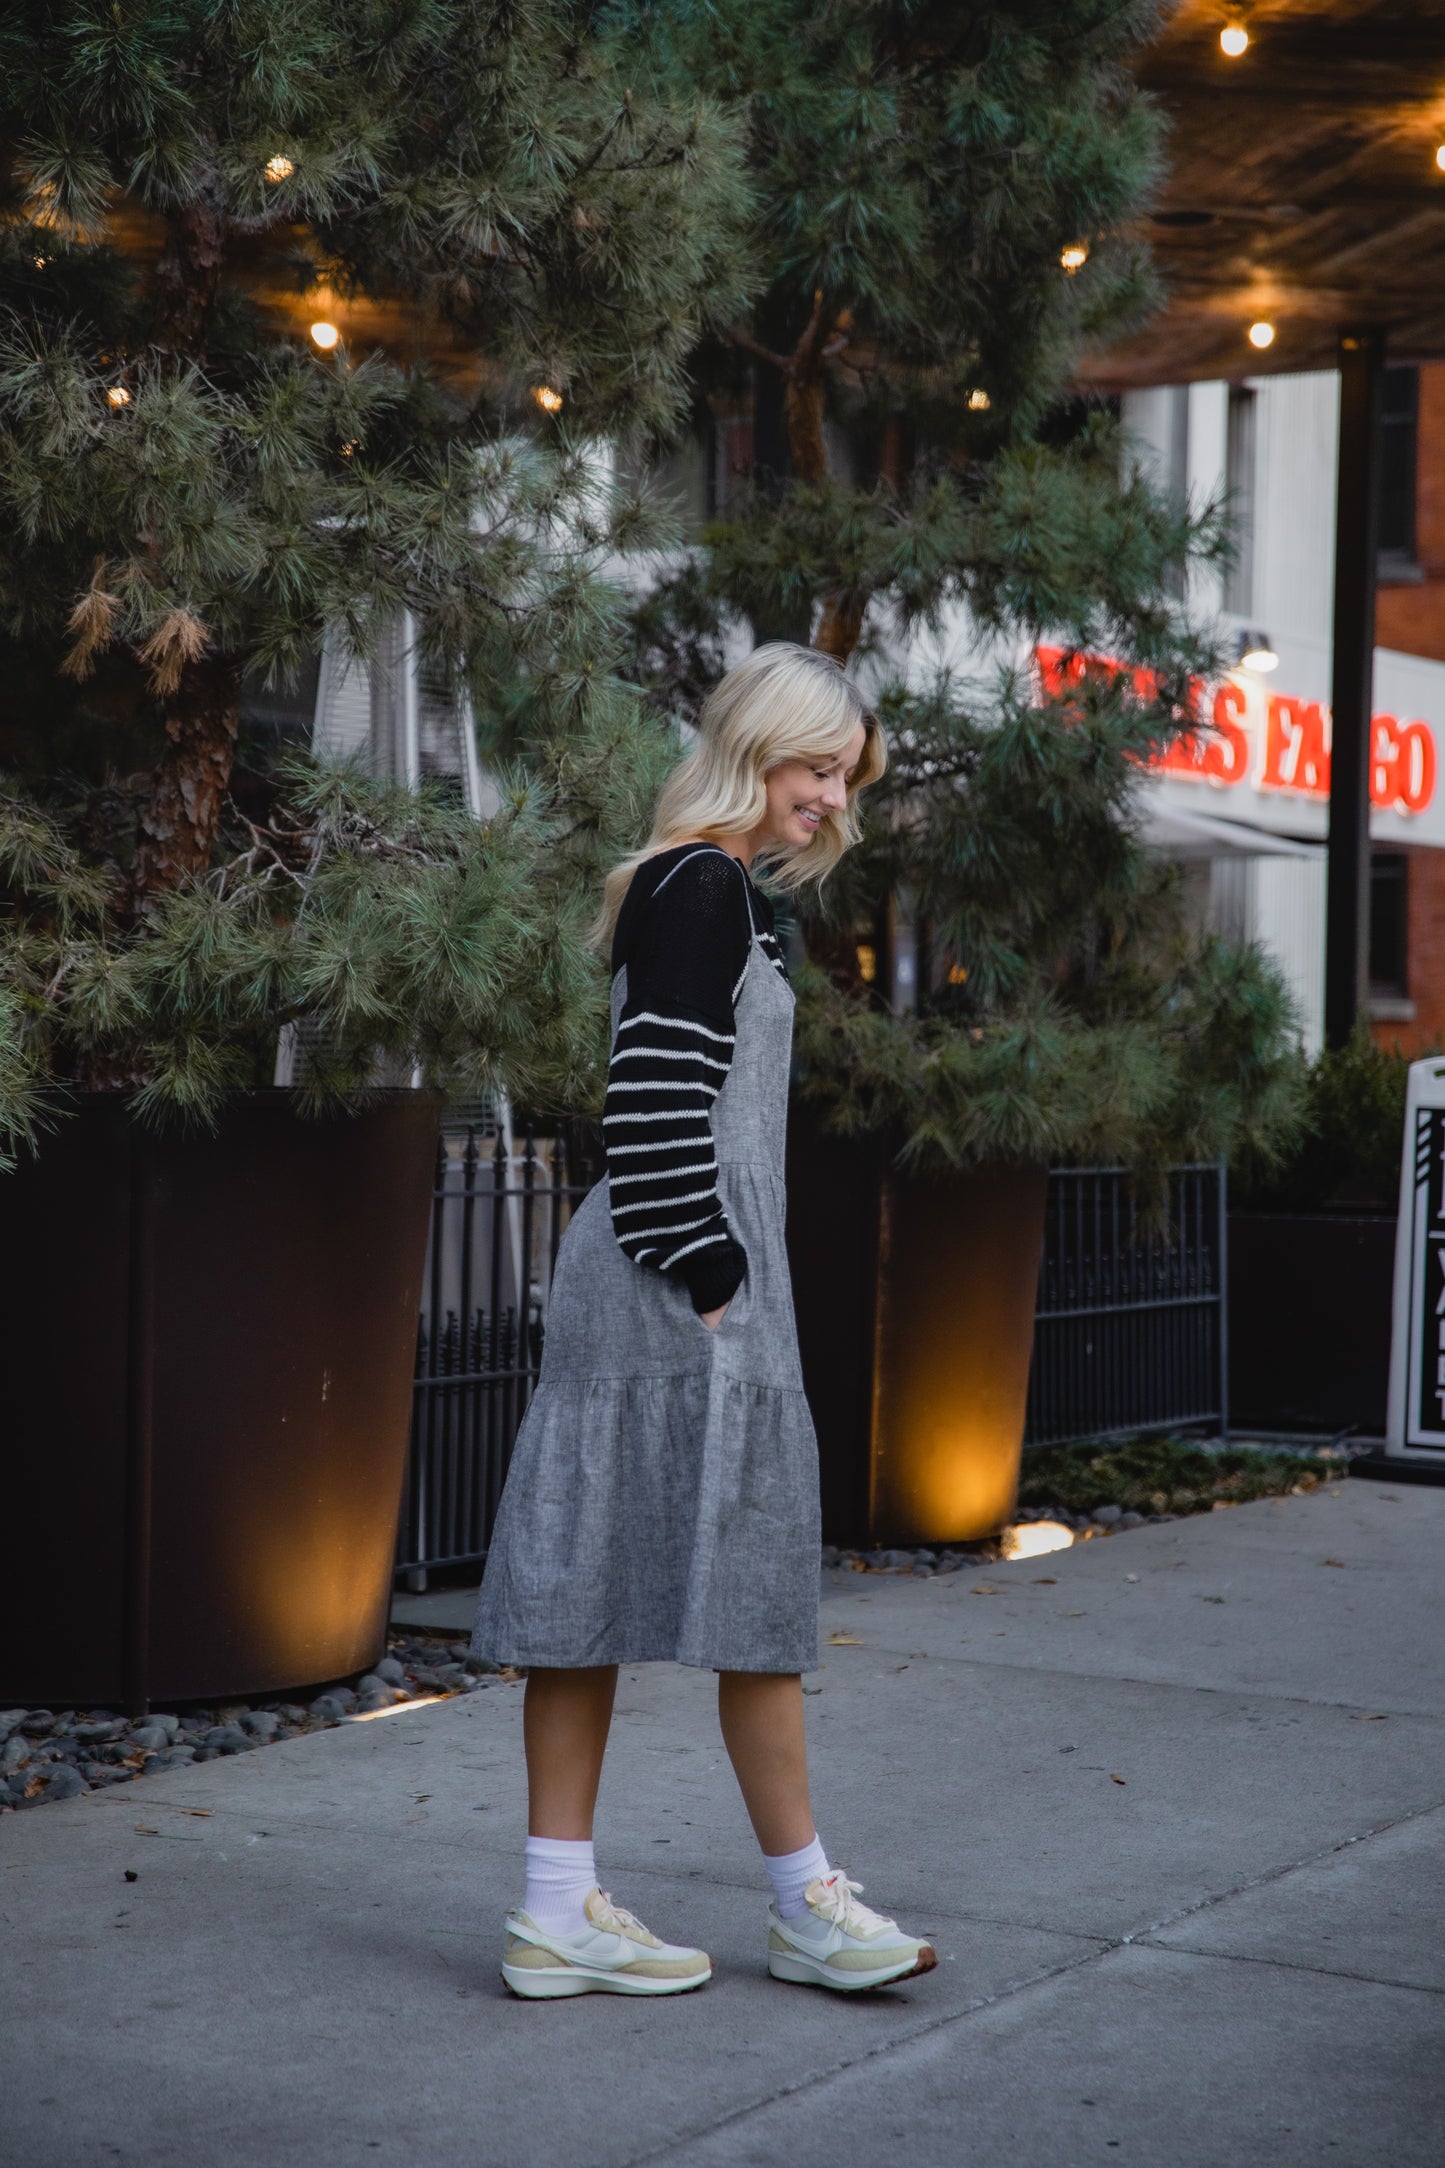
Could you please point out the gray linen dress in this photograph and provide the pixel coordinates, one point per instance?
(662, 1501)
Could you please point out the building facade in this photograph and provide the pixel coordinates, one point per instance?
(1246, 805)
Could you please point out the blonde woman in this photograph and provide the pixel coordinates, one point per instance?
(662, 1502)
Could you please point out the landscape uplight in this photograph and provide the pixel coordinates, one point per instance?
(1261, 334)
(1233, 40)
(1032, 1539)
(325, 335)
(979, 401)
(398, 1708)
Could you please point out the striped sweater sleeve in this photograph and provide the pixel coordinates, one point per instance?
(686, 958)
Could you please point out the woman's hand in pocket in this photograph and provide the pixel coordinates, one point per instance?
(713, 1318)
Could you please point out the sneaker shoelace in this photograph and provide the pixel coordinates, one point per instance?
(839, 1903)
(617, 1920)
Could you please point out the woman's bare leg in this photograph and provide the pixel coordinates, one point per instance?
(564, 1728)
(761, 1713)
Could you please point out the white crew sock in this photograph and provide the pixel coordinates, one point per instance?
(791, 1872)
(560, 1872)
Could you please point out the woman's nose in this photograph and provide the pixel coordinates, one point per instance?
(835, 794)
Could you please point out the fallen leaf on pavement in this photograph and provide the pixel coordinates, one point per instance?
(202, 1814)
(1046, 1580)
(1113, 1779)
(900, 1667)
(1211, 1599)
(1359, 1718)
(983, 1588)
(1076, 1614)
(1331, 1561)
(845, 1641)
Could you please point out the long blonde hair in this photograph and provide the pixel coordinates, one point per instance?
(783, 703)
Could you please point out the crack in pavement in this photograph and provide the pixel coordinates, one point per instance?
(1138, 1939)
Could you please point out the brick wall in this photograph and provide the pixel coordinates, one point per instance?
(1426, 938)
(1412, 617)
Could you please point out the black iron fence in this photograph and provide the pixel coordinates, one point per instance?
(500, 1204)
(1130, 1332)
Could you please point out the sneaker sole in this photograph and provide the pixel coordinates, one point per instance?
(531, 1984)
(814, 1972)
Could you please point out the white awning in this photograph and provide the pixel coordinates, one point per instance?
(1177, 834)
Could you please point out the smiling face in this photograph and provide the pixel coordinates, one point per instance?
(801, 793)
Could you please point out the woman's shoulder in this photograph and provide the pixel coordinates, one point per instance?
(691, 877)
(694, 891)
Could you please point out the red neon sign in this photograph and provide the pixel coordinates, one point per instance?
(1292, 757)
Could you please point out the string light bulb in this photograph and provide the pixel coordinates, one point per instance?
(548, 400)
(118, 395)
(325, 335)
(279, 168)
(1256, 651)
(1440, 157)
(979, 402)
(1074, 257)
(1261, 334)
(1233, 40)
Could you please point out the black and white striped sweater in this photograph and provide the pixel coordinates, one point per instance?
(685, 933)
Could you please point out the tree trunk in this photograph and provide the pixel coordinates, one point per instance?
(839, 625)
(188, 275)
(840, 620)
(803, 406)
(180, 818)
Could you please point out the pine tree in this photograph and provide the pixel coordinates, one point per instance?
(493, 202)
(945, 199)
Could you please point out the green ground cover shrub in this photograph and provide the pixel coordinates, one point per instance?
(1164, 1475)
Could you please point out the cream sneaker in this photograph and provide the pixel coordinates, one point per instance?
(615, 1955)
(840, 1943)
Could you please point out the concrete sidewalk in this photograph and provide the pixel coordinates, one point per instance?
(1235, 1955)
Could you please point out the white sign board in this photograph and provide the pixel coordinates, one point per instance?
(1415, 1428)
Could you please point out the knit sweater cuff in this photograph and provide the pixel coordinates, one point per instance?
(714, 1275)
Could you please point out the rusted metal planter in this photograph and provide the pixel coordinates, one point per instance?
(207, 1343)
(915, 1298)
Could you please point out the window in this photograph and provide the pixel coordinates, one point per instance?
(1239, 461)
(1176, 474)
(1390, 925)
(1398, 436)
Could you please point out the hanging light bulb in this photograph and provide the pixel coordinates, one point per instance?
(279, 168)
(1233, 40)
(979, 402)
(548, 400)
(1255, 651)
(118, 395)
(325, 335)
(1074, 257)
(1440, 157)
(1261, 334)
